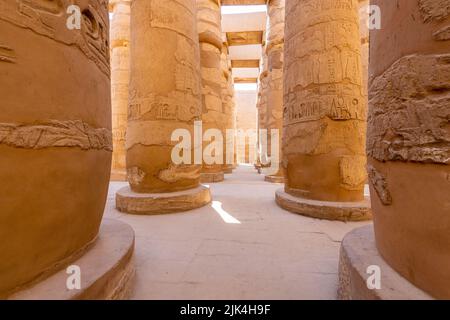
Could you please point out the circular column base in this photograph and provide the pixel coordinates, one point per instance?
(274, 179)
(212, 177)
(228, 170)
(106, 270)
(358, 253)
(131, 202)
(342, 211)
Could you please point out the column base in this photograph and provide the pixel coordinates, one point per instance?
(107, 270)
(118, 175)
(228, 170)
(358, 252)
(131, 202)
(212, 177)
(274, 179)
(342, 211)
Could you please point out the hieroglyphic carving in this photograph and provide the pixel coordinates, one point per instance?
(353, 172)
(325, 110)
(47, 18)
(410, 116)
(380, 185)
(55, 133)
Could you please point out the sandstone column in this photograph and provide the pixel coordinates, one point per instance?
(364, 33)
(164, 96)
(55, 138)
(325, 113)
(210, 36)
(275, 57)
(120, 77)
(262, 111)
(408, 145)
(227, 103)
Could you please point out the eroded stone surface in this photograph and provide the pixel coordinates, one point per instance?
(409, 142)
(55, 136)
(107, 270)
(324, 104)
(160, 203)
(165, 93)
(342, 211)
(358, 253)
(120, 77)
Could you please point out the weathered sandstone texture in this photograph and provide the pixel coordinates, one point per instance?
(107, 270)
(228, 108)
(275, 58)
(364, 33)
(165, 95)
(324, 106)
(358, 255)
(263, 157)
(120, 77)
(408, 143)
(55, 136)
(210, 32)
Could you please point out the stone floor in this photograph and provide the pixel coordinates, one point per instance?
(242, 246)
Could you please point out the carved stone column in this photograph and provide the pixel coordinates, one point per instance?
(120, 77)
(165, 96)
(364, 33)
(325, 113)
(209, 30)
(275, 58)
(55, 147)
(408, 146)
(263, 160)
(227, 103)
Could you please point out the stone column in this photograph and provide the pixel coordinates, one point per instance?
(275, 58)
(364, 33)
(210, 36)
(262, 110)
(164, 96)
(227, 103)
(325, 114)
(55, 142)
(120, 77)
(408, 149)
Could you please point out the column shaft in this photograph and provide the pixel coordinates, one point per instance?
(275, 57)
(55, 136)
(209, 29)
(324, 111)
(164, 96)
(120, 77)
(408, 144)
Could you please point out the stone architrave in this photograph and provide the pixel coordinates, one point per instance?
(408, 142)
(55, 139)
(120, 77)
(165, 98)
(324, 112)
(209, 30)
(275, 57)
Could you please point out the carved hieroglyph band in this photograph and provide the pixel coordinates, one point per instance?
(55, 133)
(409, 117)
